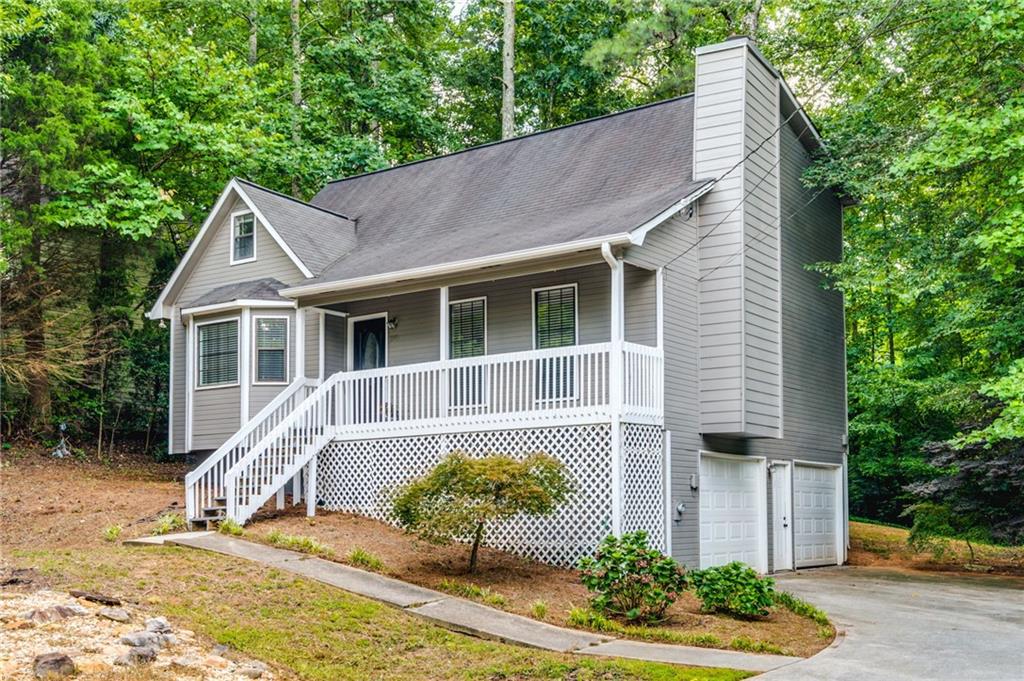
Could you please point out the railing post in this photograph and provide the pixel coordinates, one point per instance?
(311, 487)
(230, 501)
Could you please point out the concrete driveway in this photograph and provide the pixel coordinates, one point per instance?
(901, 626)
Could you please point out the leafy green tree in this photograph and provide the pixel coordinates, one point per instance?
(461, 494)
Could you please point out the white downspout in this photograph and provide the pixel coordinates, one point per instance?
(615, 384)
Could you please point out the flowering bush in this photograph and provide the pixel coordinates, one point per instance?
(631, 580)
(735, 589)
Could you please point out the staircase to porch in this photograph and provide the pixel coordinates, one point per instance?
(578, 384)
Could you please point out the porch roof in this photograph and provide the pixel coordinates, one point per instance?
(599, 178)
(265, 289)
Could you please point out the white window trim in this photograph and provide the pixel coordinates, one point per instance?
(238, 353)
(349, 338)
(449, 320)
(287, 348)
(576, 310)
(231, 235)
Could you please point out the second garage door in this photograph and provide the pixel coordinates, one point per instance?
(731, 513)
(814, 515)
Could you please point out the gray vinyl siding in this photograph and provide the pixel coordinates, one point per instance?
(415, 337)
(216, 411)
(510, 305)
(718, 144)
(212, 266)
(178, 385)
(312, 346)
(672, 246)
(334, 344)
(762, 354)
(641, 301)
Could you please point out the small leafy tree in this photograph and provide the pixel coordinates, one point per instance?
(631, 580)
(461, 494)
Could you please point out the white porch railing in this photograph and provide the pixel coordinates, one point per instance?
(513, 390)
(206, 483)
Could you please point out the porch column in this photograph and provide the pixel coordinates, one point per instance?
(244, 362)
(659, 306)
(615, 368)
(311, 487)
(443, 324)
(300, 343)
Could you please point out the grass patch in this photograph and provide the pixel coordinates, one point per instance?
(749, 645)
(297, 542)
(313, 632)
(362, 558)
(801, 607)
(112, 533)
(230, 527)
(539, 610)
(168, 523)
(470, 590)
(584, 618)
(890, 543)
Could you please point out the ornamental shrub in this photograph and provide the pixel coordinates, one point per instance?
(733, 588)
(631, 580)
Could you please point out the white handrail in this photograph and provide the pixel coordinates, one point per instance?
(205, 482)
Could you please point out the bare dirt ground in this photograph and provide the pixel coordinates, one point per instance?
(48, 503)
(519, 582)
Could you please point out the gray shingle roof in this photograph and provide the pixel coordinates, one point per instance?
(317, 235)
(600, 177)
(257, 289)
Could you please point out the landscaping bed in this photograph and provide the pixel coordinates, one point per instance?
(525, 587)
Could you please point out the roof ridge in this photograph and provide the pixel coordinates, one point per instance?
(292, 198)
(510, 139)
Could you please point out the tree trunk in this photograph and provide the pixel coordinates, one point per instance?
(253, 23)
(751, 20)
(296, 88)
(33, 323)
(477, 538)
(508, 77)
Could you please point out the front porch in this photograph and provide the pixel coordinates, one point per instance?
(406, 378)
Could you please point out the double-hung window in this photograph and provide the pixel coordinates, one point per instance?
(467, 337)
(243, 238)
(271, 341)
(555, 326)
(218, 353)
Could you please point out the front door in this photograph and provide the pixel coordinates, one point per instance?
(369, 343)
(782, 515)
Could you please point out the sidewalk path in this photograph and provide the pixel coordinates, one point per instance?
(458, 614)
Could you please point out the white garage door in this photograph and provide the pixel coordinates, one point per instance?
(731, 522)
(814, 515)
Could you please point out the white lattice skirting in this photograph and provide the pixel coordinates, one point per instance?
(358, 477)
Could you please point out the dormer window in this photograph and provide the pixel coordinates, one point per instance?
(243, 238)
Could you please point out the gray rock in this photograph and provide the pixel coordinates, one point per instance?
(168, 640)
(187, 661)
(54, 613)
(253, 669)
(52, 666)
(158, 625)
(138, 639)
(137, 655)
(220, 649)
(116, 614)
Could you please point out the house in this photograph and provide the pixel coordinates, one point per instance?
(630, 294)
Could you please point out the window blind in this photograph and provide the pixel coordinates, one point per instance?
(467, 328)
(555, 311)
(271, 350)
(218, 353)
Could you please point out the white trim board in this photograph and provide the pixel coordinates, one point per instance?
(238, 304)
(160, 307)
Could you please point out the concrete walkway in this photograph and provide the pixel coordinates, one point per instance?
(458, 614)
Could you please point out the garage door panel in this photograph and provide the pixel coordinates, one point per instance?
(729, 511)
(814, 515)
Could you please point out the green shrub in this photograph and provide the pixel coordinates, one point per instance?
(735, 589)
(631, 580)
(539, 610)
(802, 608)
(229, 526)
(584, 618)
(169, 522)
(470, 590)
(456, 498)
(299, 543)
(111, 533)
(364, 559)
